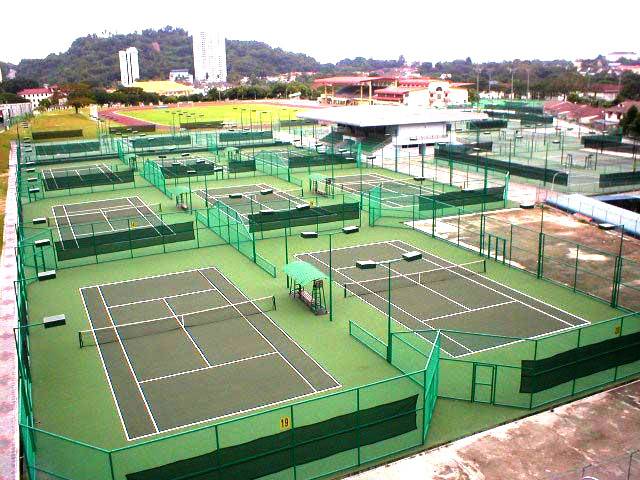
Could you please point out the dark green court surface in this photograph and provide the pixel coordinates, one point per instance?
(99, 174)
(434, 293)
(189, 347)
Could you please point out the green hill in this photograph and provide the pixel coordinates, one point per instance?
(94, 59)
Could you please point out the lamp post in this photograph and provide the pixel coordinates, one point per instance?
(347, 231)
(370, 264)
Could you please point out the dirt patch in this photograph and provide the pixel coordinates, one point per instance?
(575, 252)
(590, 431)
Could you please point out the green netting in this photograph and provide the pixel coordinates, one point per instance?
(68, 148)
(143, 127)
(226, 137)
(459, 154)
(195, 125)
(486, 124)
(48, 134)
(374, 197)
(152, 172)
(275, 170)
(294, 217)
(227, 224)
(86, 177)
(160, 141)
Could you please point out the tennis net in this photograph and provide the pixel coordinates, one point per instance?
(423, 278)
(234, 311)
(259, 195)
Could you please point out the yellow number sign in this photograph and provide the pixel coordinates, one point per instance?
(133, 224)
(617, 330)
(285, 423)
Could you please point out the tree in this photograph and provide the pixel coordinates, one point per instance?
(45, 105)
(14, 85)
(629, 120)
(630, 86)
(79, 102)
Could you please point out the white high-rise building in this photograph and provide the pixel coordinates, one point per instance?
(129, 67)
(209, 57)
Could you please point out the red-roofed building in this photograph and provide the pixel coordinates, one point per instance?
(604, 91)
(422, 91)
(614, 114)
(36, 95)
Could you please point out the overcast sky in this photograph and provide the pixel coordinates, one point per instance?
(331, 30)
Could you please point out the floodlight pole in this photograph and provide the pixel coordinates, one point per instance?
(407, 257)
(346, 231)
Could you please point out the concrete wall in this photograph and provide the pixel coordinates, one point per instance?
(421, 133)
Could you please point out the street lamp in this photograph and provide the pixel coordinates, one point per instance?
(312, 234)
(370, 264)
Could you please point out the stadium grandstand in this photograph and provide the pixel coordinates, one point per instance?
(404, 127)
(415, 92)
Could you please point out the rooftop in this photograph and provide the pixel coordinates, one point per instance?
(379, 115)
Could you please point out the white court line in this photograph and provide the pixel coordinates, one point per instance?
(107, 220)
(104, 367)
(144, 216)
(209, 367)
(259, 332)
(52, 177)
(99, 201)
(392, 304)
(497, 291)
(162, 298)
(124, 351)
(64, 209)
(471, 310)
(280, 329)
(195, 344)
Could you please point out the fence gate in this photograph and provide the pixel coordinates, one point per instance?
(496, 248)
(483, 383)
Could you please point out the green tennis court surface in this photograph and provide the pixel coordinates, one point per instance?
(184, 165)
(395, 193)
(248, 199)
(434, 293)
(189, 347)
(79, 223)
(98, 174)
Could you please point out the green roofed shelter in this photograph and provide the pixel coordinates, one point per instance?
(303, 273)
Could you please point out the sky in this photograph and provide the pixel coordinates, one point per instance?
(330, 30)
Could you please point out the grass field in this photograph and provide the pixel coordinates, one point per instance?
(232, 112)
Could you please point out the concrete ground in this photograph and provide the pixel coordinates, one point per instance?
(591, 437)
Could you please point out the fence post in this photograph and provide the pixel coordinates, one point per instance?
(575, 273)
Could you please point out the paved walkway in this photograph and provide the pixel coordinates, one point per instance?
(564, 443)
(9, 440)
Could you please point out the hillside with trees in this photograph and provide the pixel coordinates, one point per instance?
(94, 60)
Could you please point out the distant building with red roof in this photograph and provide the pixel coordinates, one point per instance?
(36, 95)
(420, 91)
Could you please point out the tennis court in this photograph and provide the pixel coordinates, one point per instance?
(98, 174)
(434, 293)
(395, 193)
(189, 347)
(78, 223)
(251, 199)
(185, 165)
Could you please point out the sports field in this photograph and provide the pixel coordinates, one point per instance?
(186, 351)
(238, 112)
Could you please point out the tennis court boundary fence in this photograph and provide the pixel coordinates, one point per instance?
(542, 254)
(360, 438)
(494, 375)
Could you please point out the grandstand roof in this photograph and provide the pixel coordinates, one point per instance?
(164, 87)
(354, 80)
(383, 115)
